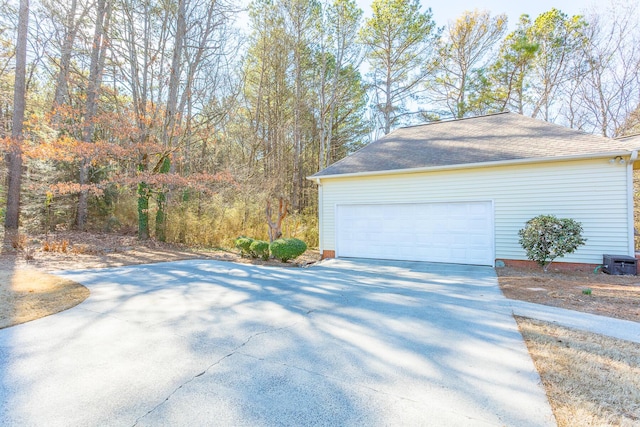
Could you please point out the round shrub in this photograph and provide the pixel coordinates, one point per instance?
(259, 249)
(244, 244)
(286, 249)
(547, 237)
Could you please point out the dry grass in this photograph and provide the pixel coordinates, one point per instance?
(28, 295)
(591, 380)
(18, 242)
(55, 245)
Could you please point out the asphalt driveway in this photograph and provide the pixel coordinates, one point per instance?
(347, 343)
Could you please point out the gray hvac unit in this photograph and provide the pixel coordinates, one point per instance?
(619, 265)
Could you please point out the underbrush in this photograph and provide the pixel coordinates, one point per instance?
(55, 246)
(194, 220)
(214, 223)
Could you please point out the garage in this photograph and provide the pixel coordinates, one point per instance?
(459, 191)
(451, 232)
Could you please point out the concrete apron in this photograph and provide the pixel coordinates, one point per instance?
(347, 342)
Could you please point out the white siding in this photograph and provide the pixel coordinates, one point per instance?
(593, 192)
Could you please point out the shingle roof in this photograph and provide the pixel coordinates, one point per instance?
(631, 139)
(492, 138)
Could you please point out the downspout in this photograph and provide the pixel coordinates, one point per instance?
(630, 204)
(320, 217)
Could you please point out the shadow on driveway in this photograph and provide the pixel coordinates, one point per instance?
(346, 342)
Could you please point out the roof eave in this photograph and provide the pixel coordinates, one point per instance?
(622, 153)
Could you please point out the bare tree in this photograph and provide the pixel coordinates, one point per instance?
(175, 67)
(98, 55)
(71, 26)
(300, 19)
(606, 94)
(339, 29)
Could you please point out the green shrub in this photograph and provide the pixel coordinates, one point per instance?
(259, 249)
(547, 237)
(286, 249)
(244, 244)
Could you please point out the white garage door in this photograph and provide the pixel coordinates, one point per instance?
(460, 233)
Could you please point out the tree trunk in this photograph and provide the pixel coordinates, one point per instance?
(83, 198)
(161, 217)
(14, 156)
(275, 227)
(174, 77)
(143, 211)
(143, 205)
(297, 131)
(14, 170)
(161, 211)
(170, 118)
(93, 86)
(65, 60)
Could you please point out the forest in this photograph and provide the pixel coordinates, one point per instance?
(182, 120)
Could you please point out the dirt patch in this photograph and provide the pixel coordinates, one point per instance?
(94, 250)
(603, 294)
(76, 250)
(590, 379)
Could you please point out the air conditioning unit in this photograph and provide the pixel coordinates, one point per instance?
(619, 265)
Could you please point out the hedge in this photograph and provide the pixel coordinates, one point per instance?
(286, 249)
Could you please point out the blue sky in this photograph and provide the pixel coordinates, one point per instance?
(446, 10)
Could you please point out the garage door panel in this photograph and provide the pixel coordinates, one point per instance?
(475, 224)
(461, 240)
(440, 232)
(479, 253)
(477, 240)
